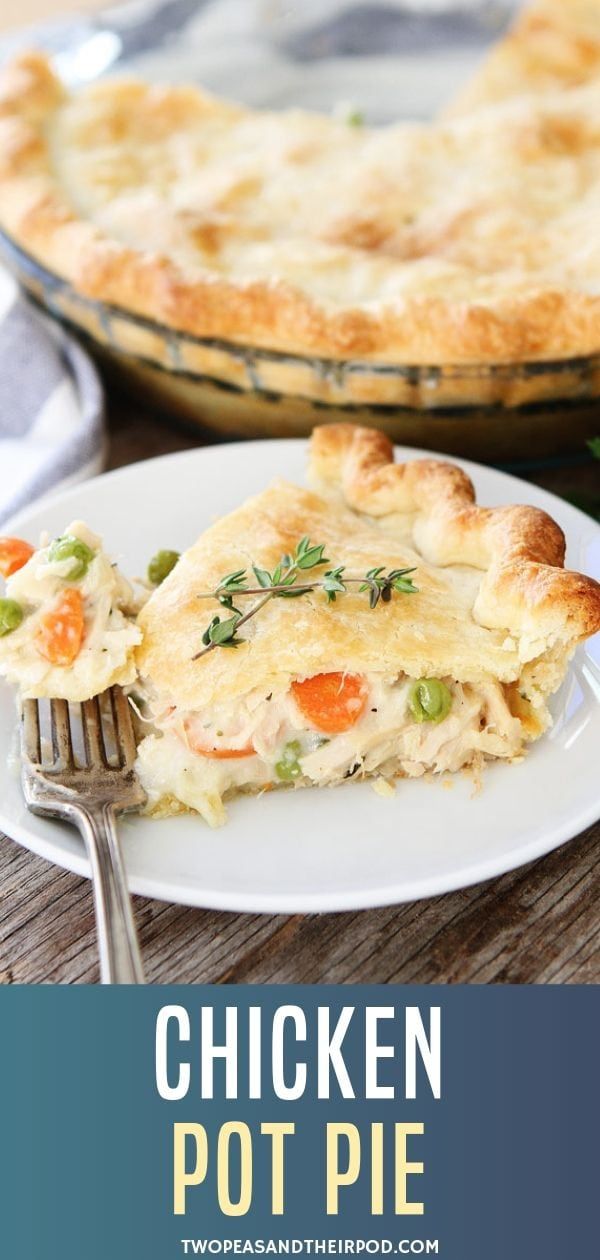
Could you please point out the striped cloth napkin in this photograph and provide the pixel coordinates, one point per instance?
(51, 406)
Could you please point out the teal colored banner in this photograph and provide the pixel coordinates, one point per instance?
(97, 1165)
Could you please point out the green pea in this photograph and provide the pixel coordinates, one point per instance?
(11, 615)
(160, 566)
(289, 767)
(68, 547)
(429, 700)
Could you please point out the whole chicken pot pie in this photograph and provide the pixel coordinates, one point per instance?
(379, 626)
(471, 240)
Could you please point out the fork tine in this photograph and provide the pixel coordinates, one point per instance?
(30, 732)
(123, 726)
(62, 745)
(92, 732)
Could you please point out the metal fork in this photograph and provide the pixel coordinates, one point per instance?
(90, 796)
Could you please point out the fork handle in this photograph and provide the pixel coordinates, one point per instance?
(120, 960)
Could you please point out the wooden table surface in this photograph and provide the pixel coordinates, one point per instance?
(537, 924)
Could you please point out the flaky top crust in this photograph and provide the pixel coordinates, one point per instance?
(525, 611)
(552, 44)
(520, 549)
(475, 241)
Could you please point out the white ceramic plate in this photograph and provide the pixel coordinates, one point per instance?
(317, 850)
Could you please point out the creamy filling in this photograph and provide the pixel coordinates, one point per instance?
(267, 742)
(110, 635)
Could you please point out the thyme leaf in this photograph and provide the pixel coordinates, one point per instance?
(221, 633)
(263, 577)
(287, 582)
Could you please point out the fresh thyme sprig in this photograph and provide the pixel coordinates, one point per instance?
(286, 582)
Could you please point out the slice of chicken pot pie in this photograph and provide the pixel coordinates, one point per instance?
(382, 626)
(67, 618)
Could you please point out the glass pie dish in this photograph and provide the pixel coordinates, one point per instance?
(403, 64)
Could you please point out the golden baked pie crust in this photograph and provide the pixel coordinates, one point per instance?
(552, 44)
(521, 620)
(480, 275)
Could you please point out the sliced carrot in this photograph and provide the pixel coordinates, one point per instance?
(14, 553)
(60, 632)
(199, 740)
(225, 754)
(332, 702)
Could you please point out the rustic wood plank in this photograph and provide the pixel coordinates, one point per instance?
(538, 924)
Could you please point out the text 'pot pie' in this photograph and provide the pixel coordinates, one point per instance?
(381, 625)
(475, 239)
